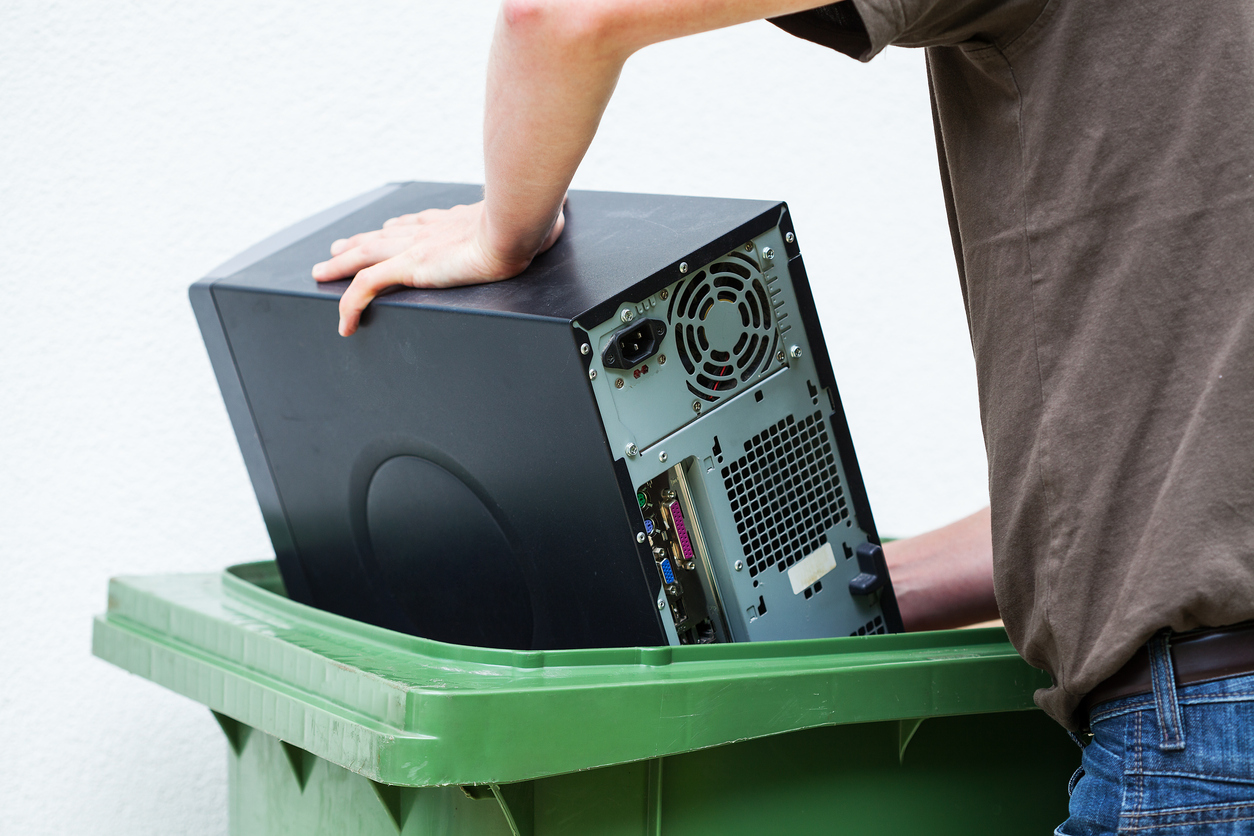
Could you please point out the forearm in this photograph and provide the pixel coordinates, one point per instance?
(944, 578)
(548, 84)
(553, 68)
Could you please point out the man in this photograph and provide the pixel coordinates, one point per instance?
(1097, 158)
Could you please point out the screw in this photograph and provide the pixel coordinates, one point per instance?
(632, 450)
(795, 350)
(779, 355)
(618, 384)
(661, 605)
(627, 315)
(683, 268)
(639, 536)
(696, 406)
(749, 247)
(592, 374)
(661, 456)
(789, 237)
(740, 564)
(768, 253)
(585, 348)
(661, 359)
(664, 294)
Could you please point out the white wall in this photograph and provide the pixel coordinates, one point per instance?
(141, 144)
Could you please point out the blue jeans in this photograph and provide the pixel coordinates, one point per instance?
(1178, 761)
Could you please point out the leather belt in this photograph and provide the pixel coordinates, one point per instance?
(1197, 656)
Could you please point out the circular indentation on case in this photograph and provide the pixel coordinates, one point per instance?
(444, 558)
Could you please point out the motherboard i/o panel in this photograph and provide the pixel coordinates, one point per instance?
(682, 559)
(637, 441)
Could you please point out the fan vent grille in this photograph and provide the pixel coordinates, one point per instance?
(724, 327)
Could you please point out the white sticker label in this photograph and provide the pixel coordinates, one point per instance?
(805, 572)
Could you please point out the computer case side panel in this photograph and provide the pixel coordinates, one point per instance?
(204, 307)
(254, 454)
(444, 472)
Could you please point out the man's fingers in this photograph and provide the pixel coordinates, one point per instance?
(363, 238)
(352, 261)
(412, 218)
(364, 288)
(434, 248)
(346, 244)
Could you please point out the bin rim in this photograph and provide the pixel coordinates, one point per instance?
(260, 583)
(414, 712)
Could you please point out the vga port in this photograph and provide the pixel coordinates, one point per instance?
(668, 574)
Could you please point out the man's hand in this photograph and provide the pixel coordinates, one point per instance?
(551, 72)
(435, 248)
(944, 578)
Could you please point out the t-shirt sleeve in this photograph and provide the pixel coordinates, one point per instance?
(862, 28)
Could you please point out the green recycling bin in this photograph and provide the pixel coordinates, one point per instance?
(338, 727)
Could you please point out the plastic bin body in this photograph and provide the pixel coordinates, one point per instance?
(341, 728)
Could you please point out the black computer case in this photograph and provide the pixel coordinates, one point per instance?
(468, 466)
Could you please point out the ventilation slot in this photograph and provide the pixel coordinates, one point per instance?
(785, 493)
(872, 628)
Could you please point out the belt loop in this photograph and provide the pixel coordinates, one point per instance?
(1163, 677)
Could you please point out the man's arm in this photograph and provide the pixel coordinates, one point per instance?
(944, 578)
(552, 70)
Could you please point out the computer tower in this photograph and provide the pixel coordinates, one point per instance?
(638, 441)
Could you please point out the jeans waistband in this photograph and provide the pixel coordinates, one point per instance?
(1195, 656)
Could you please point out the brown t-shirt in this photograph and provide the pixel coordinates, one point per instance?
(1098, 164)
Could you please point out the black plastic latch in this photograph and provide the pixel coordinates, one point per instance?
(874, 570)
(865, 584)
